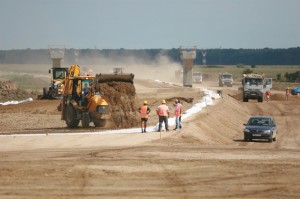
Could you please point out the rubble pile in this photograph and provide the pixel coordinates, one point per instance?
(121, 97)
(10, 91)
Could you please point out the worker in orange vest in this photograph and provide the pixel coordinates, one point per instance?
(268, 94)
(163, 113)
(178, 109)
(144, 112)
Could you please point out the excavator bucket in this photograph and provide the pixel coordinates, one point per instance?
(120, 77)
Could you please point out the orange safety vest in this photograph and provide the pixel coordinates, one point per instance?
(143, 111)
(163, 110)
(177, 110)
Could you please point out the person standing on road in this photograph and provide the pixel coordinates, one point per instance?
(163, 113)
(181, 111)
(144, 114)
(268, 95)
(177, 114)
(287, 94)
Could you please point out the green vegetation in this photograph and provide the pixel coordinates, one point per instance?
(252, 57)
(26, 81)
(278, 73)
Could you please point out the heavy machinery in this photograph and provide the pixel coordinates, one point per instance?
(57, 83)
(253, 87)
(58, 73)
(225, 79)
(82, 99)
(197, 77)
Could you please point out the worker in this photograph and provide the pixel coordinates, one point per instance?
(287, 94)
(177, 114)
(86, 89)
(144, 112)
(181, 112)
(163, 113)
(268, 95)
(85, 92)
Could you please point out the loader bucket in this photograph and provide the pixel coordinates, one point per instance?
(121, 77)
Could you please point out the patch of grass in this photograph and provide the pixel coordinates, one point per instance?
(268, 71)
(25, 68)
(26, 81)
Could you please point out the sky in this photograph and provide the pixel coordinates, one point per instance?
(149, 24)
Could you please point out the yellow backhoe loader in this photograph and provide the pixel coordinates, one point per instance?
(82, 99)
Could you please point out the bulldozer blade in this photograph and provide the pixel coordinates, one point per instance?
(102, 78)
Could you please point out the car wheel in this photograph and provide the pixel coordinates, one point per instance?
(270, 140)
(274, 139)
(245, 99)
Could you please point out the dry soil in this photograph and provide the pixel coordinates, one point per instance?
(206, 159)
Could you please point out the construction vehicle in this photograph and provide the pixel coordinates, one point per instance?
(225, 79)
(82, 99)
(118, 70)
(58, 73)
(253, 87)
(197, 77)
(57, 83)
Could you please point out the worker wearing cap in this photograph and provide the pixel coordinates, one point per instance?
(144, 112)
(163, 113)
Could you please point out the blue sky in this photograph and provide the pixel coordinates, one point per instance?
(145, 24)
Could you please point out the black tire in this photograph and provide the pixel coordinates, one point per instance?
(246, 139)
(270, 139)
(45, 93)
(71, 117)
(274, 139)
(245, 99)
(260, 99)
(100, 123)
(85, 121)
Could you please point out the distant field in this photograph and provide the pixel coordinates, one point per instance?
(30, 76)
(268, 71)
(26, 76)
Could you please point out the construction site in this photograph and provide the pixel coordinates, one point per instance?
(47, 152)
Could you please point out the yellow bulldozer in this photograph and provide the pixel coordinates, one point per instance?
(82, 99)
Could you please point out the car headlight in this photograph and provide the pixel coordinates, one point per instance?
(247, 131)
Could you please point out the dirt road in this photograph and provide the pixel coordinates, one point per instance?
(207, 159)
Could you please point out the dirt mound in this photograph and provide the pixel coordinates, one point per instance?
(274, 97)
(121, 97)
(10, 91)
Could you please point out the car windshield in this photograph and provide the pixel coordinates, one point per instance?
(259, 122)
(253, 81)
(227, 76)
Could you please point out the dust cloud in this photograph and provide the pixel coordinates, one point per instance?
(143, 67)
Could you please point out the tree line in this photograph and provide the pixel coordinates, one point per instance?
(265, 56)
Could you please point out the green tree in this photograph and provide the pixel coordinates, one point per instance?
(247, 71)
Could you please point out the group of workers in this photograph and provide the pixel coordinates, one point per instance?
(287, 94)
(163, 113)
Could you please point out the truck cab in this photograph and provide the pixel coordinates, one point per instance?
(225, 79)
(197, 77)
(253, 87)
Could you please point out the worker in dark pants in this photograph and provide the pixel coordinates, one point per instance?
(163, 113)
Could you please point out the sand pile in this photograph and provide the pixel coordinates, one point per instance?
(121, 97)
(274, 97)
(10, 91)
